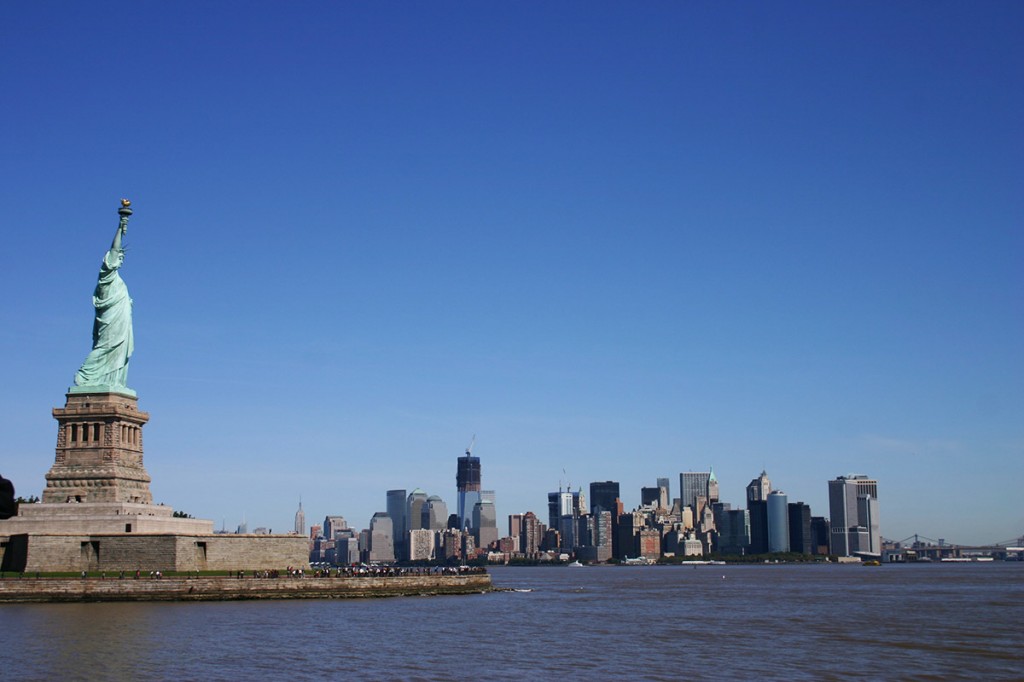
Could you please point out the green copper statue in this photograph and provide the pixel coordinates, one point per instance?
(106, 367)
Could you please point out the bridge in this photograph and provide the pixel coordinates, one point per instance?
(920, 548)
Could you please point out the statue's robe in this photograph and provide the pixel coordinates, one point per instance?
(112, 339)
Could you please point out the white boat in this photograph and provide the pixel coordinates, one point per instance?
(576, 564)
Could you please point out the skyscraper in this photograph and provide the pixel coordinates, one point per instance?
(693, 484)
(485, 524)
(758, 489)
(666, 493)
(467, 484)
(300, 520)
(799, 528)
(414, 509)
(559, 505)
(712, 487)
(758, 510)
(853, 506)
(734, 531)
(778, 521)
(650, 497)
(381, 546)
(604, 494)
(435, 514)
(333, 524)
(396, 505)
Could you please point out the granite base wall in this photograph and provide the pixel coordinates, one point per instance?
(221, 589)
(139, 552)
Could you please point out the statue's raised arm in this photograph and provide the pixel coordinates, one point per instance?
(106, 367)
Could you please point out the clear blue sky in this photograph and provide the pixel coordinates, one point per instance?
(616, 239)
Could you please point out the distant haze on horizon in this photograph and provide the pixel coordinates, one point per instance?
(612, 240)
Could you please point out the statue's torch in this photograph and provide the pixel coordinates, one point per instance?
(125, 211)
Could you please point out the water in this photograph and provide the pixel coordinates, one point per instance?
(925, 622)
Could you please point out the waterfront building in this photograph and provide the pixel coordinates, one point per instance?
(397, 509)
(734, 531)
(300, 520)
(853, 506)
(758, 510)
(692, 546)
(758, 489)
(648, 544)
(819, 535)
(778, 521)
(799, 528)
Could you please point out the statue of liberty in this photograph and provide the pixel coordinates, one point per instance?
(106, 367)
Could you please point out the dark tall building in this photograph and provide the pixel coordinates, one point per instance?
(799, 528)
(397, 508)
(758, 526)
(604, 494)
(733, 531)
(467, 483)
(650, 497)
(819, 535)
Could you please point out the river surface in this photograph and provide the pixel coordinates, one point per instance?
(924, 622)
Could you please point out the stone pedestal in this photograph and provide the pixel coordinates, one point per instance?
(99, 451)
(98, 514)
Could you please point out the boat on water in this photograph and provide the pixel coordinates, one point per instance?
(576, 564)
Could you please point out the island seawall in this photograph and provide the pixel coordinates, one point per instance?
(222, 588)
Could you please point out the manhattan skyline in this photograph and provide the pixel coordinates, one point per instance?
(620, 242)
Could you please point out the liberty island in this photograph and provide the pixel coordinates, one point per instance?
(97, 514)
